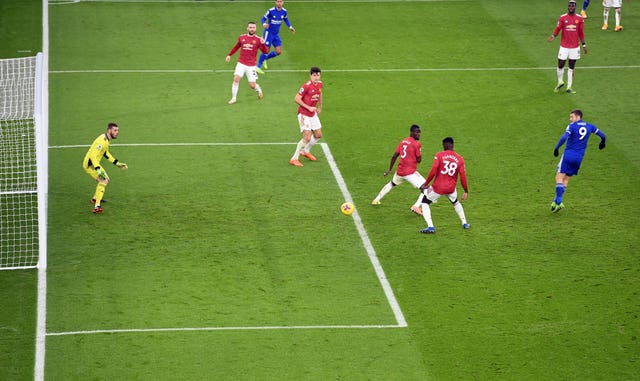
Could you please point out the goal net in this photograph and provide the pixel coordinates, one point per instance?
(23, 162)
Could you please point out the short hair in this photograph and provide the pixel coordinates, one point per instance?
(314, 69)
(251, 22)
(578, 112)
(572, 1)
(414, 127)
(111, 125)
(448, 139)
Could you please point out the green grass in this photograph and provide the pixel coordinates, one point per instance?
(232, 236)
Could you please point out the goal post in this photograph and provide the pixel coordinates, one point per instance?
(23, 162)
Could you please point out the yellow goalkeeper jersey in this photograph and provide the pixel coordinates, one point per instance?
(98, 150)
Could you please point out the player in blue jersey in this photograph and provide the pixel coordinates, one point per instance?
(585, 5)
(271, 21)
(576, 136)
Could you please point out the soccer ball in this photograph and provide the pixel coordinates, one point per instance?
(347, 208)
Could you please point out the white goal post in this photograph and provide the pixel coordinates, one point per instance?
(23, 163)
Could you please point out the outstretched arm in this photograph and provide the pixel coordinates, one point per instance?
(563, 139)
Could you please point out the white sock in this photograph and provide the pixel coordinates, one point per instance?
(299, 147)
(569, 78)
(560, 74)
(617, 18)
(234, 90)
(460, 210)
(383, 192)
(419, 200)
(606, 15)
(312, 141)
(426, 214)
(257, 88)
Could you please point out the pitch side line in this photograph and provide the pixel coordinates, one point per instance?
(60, 2)
(397, 70)
(176, 144)
(264, 328)
(373, 257)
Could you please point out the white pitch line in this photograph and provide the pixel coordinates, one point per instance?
(263, 328)
(175, 144)
(355, 70)
(58, 2)
(373, 257)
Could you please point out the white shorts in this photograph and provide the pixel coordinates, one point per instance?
(414, 179)
(433, 196)
(309, 123)
(571, 53)
(249, 71)
(612, 3)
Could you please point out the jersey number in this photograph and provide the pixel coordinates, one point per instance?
(449, 168)
(404, 151)
(583, 132)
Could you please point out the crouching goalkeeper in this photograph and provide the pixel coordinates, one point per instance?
(91, 163)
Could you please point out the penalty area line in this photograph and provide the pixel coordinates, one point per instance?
(258, 328)
(371, 252)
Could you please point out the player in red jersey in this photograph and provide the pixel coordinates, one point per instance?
(249, 44)
(410, 153)
(309, 100)
(447, 166)
(572, 27)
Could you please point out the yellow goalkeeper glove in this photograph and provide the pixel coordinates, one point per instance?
(122, 165)
(102, 174)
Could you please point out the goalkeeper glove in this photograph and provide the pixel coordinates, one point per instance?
(602, 144)
(122, 165)
(555, 152)
(102, 174)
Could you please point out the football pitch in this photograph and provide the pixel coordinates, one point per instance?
(216, 259)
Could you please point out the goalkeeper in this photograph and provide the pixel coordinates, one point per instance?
(91, 163)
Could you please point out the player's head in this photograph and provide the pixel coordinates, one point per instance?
(575, 115)
(447, 143)
(314, 72)
(415, 131)
(251, 28)
(571, 7)
(279, 4)
(112, 130)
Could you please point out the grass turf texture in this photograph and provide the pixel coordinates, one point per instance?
(232, 235)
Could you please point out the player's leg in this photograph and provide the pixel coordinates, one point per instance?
(585, 5)
(263, 56)
(417, 181)
(277, 49)
(252, 78)
(605, 16)
(387, 188)
(618, 27)
(305, 130)
(237, 75)
(573, 57)
(429, 196)
(457, 206)
(563, 54)
(316, 134)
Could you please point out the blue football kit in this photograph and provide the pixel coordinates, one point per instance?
(274, 18)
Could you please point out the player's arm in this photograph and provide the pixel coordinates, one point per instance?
(299, 101)
(265, 20)
(112, 159)
(463, 180)
(603, 139)
(432, 174)
(233, 50)
(291, 28)
(581, 37)
(555, 32)
(563, 139)
(391, 163)
(263, 47)
(319, 104)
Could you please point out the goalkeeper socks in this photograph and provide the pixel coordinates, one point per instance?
(560, 188)
(234, 90)
(100, 188)
(569, 78)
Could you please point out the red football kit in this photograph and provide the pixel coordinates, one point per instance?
(311, 94)
(250, 46)
(447, 165)
(572, 27)
(409, 151)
